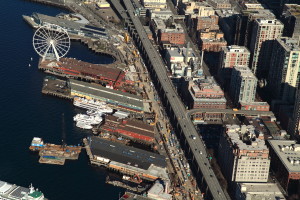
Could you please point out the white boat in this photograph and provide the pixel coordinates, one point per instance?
(13, 192)
(91, 104)
(86, 121)
(83, 125)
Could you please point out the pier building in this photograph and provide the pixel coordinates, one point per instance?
(135, 130)
(127, 160)
(73, 68)
(116, 99)
(72, 27)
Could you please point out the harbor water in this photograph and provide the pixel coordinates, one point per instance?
(25, 113)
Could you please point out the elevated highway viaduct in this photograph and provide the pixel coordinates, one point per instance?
(175, 109)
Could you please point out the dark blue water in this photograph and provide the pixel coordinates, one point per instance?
(25, 113)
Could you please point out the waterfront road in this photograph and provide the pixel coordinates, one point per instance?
(176, 106)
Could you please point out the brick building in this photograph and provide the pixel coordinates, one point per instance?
(210, 22)
(129, 128)
(211, 40)
(205, 93)
(173, 35)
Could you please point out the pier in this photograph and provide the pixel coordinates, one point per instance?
(56, 87)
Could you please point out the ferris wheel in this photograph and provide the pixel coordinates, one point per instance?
(51, 42)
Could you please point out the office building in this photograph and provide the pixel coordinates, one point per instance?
(291, 20)
(232, 56)
(264, 31)
(243, 155)
(258, 191)
(294, 123)
(285, 163)
(245, 23)
(283, 78)
(243, 85)
(278, 5)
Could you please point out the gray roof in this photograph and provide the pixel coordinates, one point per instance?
(125, 154)
(58, 21)
(288, 152)
(114, 95)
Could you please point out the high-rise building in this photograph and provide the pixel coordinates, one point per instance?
(278, 5)
(245, 22)
(230, 57)
(234, 56)
(243, 85)
(294, 123)
(291, 19)
(243, 155)
(264, 31)
(283, 78)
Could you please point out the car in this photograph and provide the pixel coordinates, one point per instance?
(193, 137)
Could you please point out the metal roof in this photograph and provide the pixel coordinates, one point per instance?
(114, 95)
(125, 154)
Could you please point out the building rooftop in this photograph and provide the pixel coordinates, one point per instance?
(289, 44)
(158, 191)
(207, 84)
(130, 125)
(180, 52)
(125, 154)
(197, 8)
(236, 48)
(174, 28)
(68, 24)
(245, 72)
(85, 68)
(245, 138)
(205, 89)
(159, 23)
(259, 13)
(252, 5)
(98, 90)
(76, 17)
(292, 9)
(288, 152)
(259, 191)
(261, 21)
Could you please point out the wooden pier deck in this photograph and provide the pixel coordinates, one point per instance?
(57, 88)
(56, 161)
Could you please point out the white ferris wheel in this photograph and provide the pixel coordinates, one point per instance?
(51, 42)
